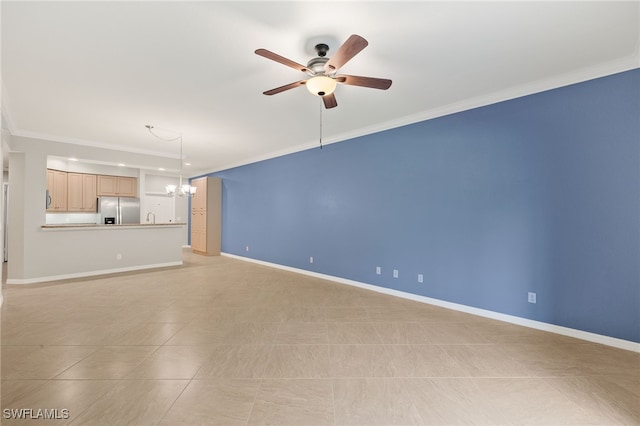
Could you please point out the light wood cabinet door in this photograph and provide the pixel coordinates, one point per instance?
(116, 186)
(57, 187)
(199, 199)
(107, 186)
(89, 193)
(199, 231)
(199, 221)
(127, 186)
(74, 192)
(199, 241)
(81, 192)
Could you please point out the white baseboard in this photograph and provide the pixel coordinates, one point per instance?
(90, 273)
(565, 331)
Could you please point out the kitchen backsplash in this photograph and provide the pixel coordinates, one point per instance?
(73, 218)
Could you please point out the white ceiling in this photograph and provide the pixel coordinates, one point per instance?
(95, 73)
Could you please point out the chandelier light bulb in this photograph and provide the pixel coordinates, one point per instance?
(171, 189)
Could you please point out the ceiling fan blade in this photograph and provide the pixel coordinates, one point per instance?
(285, 87)
(330, 101)
(348, 50)
(355, 80)
(275, 57)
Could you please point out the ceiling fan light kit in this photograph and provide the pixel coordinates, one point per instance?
(323, 71)
(321, 85)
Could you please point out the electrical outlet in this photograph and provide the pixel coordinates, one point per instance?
(119, 256)
(395, 273)
(420, 278)
(310, 259)
(246, 248)
(378, 270)
(531, 297)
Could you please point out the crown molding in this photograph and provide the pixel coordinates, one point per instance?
(92, 144)
(585, 74)
(579, 76)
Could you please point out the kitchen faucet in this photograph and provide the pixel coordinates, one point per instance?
(153, 216)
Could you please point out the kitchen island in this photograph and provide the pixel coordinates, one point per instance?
(64, 251)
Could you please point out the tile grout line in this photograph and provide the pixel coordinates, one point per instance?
(176, 400)
(253, 403)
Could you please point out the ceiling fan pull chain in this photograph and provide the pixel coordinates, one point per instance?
(320, 122)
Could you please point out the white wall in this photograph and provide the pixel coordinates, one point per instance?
(156, 184)
(84, 166)
(4, 143)
(65, 253)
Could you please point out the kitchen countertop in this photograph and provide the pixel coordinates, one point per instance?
(76, 226)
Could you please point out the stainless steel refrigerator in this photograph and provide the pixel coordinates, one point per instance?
(118, 210)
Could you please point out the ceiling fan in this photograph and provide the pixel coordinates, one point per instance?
(322, 71)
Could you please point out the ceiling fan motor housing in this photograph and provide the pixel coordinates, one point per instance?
(316, 65)
(322, 49)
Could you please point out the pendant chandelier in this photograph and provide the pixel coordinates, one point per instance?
(181, 189)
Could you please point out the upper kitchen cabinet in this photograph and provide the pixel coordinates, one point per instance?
(117, 186)
(57, 188)
(107, 186)
(81, 192)
(127, 186)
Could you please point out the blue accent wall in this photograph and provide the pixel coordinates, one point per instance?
(537, 194)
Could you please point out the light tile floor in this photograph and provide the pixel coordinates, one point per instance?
(222, 341)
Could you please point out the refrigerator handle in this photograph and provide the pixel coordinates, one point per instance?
(118, 213)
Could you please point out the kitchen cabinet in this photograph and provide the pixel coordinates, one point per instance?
(81, 192)
(57, 187)
(206, 216)
(116, 186)
(127, 186)
(199, 200)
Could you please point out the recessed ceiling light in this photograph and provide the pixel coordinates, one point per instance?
(121, 164)
(73, 159)
(161, 169)
(187, 164)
